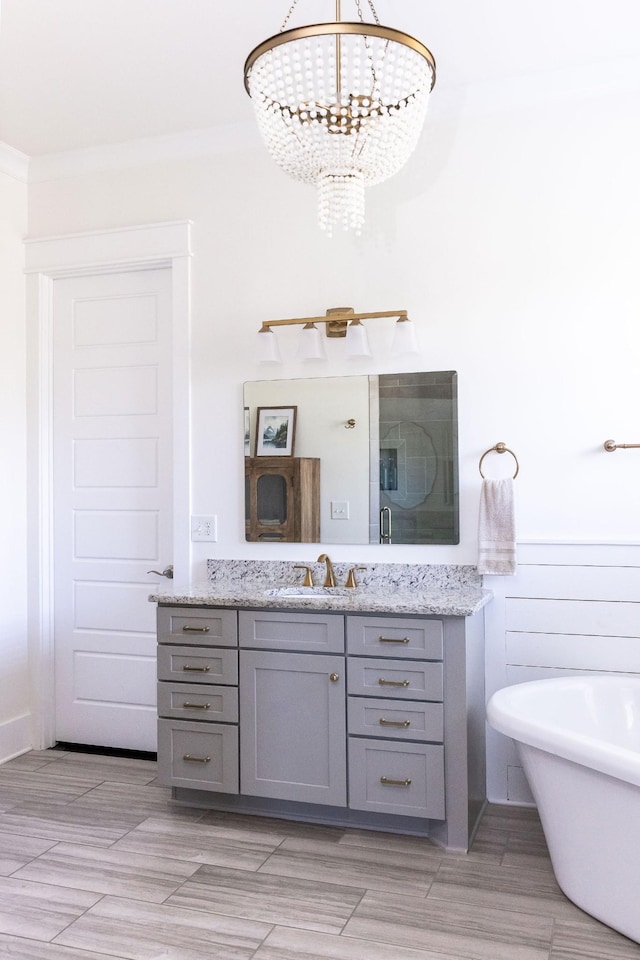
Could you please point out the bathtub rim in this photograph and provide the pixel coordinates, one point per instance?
(506, 713)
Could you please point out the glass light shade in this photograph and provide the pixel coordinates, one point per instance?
(310, 344)
(268, 349)
(404, 338)
(357, 344)
(340, 122)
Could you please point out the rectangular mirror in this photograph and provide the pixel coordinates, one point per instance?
(362, 459)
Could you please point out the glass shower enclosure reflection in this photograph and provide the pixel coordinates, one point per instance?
(414, 456)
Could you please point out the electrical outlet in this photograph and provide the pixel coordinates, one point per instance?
(339, 509)
(204, 529)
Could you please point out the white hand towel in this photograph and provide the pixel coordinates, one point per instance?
(496, 528)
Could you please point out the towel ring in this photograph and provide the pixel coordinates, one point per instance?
(499, 448)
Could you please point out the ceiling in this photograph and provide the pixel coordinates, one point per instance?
(87, 73)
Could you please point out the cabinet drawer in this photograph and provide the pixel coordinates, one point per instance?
(197, 664)
(186, 701)
(411, 680)
(397, 720)
(197, 625)
(395, 637)
(308, 632)
(401, 778)
(199, 755)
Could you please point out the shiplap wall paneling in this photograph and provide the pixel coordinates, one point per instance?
(570, 609)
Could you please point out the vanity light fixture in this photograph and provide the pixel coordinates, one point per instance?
(310, 345)
(340, 322)
(268, 348)
(404, 338)
(357, 342)
(340, 105)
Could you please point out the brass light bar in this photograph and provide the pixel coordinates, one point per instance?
(337, 320)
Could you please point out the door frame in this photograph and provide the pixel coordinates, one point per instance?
(143, 247)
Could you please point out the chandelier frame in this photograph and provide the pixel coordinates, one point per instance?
(339, 27)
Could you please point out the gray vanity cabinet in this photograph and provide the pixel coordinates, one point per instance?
(372, 721)
(292, 707)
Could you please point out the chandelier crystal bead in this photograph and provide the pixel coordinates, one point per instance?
(340, 105)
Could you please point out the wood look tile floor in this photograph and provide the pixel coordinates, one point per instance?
(96, 863)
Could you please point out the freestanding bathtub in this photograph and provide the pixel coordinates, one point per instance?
(579, 741)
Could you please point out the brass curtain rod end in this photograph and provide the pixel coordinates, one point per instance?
(611, 445)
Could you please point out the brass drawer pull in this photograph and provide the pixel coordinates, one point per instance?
(196, 669)
(394, 639)
(393, 683)
(195, 629)
(191, 759)
(393, 723)
(386, 782)
(196, 706)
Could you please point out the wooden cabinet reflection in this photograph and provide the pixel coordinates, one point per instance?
(282, 498)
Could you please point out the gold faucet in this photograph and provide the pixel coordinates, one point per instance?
(351, 577)
(308, 577)
(329, 580)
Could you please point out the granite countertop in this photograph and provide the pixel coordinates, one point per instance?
(383, 588)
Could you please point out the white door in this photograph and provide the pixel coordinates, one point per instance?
(112, 497)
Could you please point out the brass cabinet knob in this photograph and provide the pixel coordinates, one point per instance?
(334, 677)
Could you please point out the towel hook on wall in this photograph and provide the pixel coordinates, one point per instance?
(499, 448)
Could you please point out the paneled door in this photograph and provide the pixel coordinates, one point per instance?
(112, 500)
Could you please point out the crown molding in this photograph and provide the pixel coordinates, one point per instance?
(14, 163)
(137, 153)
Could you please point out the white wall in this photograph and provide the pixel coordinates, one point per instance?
(511, 238)
(14, 672)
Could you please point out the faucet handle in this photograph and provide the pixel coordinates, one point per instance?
(351, 577)
(308, 577)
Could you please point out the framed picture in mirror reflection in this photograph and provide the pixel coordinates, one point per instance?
(275, 431)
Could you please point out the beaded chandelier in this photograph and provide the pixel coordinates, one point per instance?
(340, 105)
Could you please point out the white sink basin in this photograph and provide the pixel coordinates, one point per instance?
(308, 593)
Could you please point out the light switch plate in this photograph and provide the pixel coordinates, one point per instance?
(339, 509)
(204, 529)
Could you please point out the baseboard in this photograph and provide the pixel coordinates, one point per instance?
(15, 737)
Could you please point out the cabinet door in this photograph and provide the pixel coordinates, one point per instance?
(292, 716)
